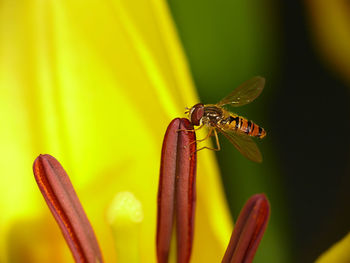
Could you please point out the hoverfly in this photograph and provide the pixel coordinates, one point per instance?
(238, 130)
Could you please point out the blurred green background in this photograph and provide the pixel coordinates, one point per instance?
(304, 108)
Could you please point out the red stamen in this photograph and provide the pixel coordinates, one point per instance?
(64, 204)
(176, 192)
(249, 229)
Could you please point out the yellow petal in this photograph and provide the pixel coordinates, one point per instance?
(95, 84)
(330, 21)
(339, 252)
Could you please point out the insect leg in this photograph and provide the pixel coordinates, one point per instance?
(206, 137)
(192, 130)
(217, 141)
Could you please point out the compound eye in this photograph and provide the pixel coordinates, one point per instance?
(197, 114)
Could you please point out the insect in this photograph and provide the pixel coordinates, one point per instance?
(238, 130)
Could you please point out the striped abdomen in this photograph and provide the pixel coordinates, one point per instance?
(239, 123)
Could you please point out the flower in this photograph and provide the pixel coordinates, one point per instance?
(337, 253)
(93, 83)
(176, 199)
(330, 24)
(64, 204)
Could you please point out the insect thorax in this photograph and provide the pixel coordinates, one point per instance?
(212, 115)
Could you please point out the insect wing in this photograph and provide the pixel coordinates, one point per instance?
(244, 144)
(245, 93)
